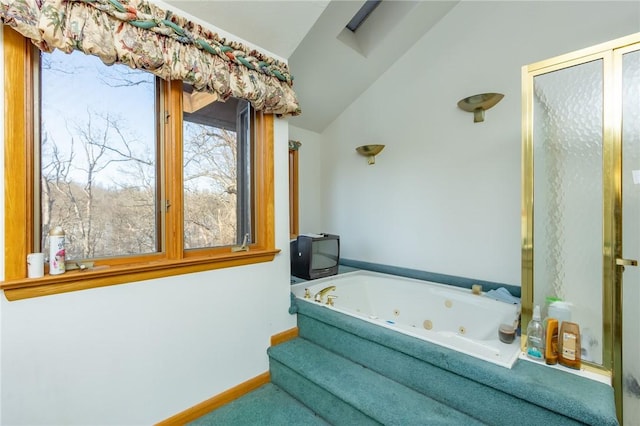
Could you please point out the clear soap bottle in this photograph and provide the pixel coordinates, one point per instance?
(535, 336)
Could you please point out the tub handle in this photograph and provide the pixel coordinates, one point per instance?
(626, 262)
(330, 299)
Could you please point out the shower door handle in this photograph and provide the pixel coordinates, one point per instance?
(626, 262)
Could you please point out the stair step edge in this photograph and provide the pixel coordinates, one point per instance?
(374, 394)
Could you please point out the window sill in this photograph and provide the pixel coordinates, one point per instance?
(82, 280)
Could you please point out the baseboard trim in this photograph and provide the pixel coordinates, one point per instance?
(284, 336)
(229, 395)
(217, 401)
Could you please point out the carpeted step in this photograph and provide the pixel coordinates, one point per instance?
(485, 391)
(346, 393)
(267, 405)
(467, 396)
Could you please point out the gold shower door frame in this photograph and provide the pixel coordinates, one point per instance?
(610, 53)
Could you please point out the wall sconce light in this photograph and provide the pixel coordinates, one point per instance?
(477, 104)
(370, 151)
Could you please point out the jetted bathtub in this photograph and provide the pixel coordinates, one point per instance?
(446, 315)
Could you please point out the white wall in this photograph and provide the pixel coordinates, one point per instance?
(444, 195)
(138, 353)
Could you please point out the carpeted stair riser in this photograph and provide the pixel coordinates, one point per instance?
(319, 400)
(322, 378)
(467, 396)
(472, 386)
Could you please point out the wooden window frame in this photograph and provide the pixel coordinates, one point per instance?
(294, 223)
(19, 56)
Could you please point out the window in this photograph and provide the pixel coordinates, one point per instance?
(96, 174)
(217, 172)
(142, 188)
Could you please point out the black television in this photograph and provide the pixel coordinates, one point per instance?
(315, 256)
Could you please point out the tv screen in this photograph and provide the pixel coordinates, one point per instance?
(325, 254)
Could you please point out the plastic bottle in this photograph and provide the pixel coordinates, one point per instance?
(560, 310)
(535, 336)
(551, 342)
(56, 251)
(569, 345)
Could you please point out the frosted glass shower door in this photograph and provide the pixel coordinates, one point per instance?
(581, 204)
(631, 237)
(568, 196)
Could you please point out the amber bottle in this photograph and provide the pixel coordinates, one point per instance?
(569, 345)
(551, 342)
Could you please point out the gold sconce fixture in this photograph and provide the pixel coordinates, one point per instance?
(477, 104)
(370, 151)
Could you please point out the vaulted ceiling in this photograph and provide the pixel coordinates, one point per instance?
(332, 66)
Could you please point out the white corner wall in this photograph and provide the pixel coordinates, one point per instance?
(444, 195)
(139, 353)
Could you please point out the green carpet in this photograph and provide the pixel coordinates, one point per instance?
(267, 405)
(348, 393)
(352, 372)
(533, 393)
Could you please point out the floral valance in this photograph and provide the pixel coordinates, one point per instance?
(141, 35)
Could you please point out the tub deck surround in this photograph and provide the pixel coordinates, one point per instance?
(450, 316)
(528, 393)
(348, 265)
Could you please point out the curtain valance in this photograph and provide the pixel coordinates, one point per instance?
(141, 35)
